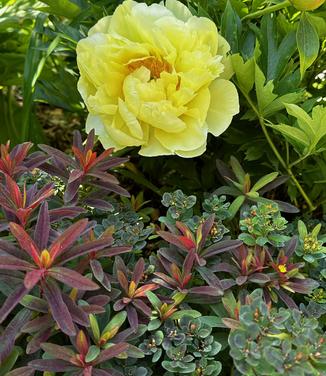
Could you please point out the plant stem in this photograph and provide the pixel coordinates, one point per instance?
(267, 10)
(276, 152)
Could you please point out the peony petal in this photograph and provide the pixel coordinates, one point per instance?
(153, 147)
(224, 105)
(198, 107)
(193, 137)
(95, 122)
(130, 119)
(102, 26)
(192, 153)
(178, 9)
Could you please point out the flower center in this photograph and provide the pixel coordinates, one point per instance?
(45, 259)
(153, 64)
(282, 268)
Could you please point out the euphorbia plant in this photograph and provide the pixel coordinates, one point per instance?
(20, 204)
(16, 162)
(85, 168)
(181, 278)
(134, 296)
(164, 311)
(82, 362)
(45, 265)
(186, 241)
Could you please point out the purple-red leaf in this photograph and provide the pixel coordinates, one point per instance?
(35, 343)
(72, 278)
(12, 300)
(59, 310)
(78, 315)
(7, 339)
(142, 307)
(65, 212)
(32, 278)
(58, 352)
(52, 365)
(111, 352)
(68, 237)
(85, 248)
(113, 251)
(222, 246)
(13, 263)
(22, 371)
(42, 228)
(62, 157)
(291, 246)
(25, 241)
(39, 324)
(206, 290)
(138, 271)
(132, 316)
(205, 229)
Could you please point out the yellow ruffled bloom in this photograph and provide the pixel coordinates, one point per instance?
(156, 77)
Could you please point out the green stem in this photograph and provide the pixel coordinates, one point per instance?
(276, 152)
(267, 10)
(298, 160)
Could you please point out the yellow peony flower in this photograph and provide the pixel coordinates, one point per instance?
(156, 77)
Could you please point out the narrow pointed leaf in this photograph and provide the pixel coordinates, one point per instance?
(68, 237)
(111, 352)
(58, 308)
(22, 371)
(58, 352)
(85, 248)
(32, 278)
(42, 228)
(25, 241)
(11, 302)
(72, 278)
(13, 263)
(52, 365)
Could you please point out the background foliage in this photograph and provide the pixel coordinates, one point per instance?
(204, 266)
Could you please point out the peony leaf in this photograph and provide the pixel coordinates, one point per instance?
(308, 43)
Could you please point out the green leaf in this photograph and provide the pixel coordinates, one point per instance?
(244, 71)
(304, 120)
(308, 43)
(155, 301)
(302, 229)
(268, 101)
(95, 327)
(265, 95)
(237, 169)
(154, 324)
(115, 323)
(264, 181)
(316, 230)
(247, 239)
(63, 8)
(92, 354)
(231, 27)
(10, 361)
(212, 321)
(34, 63)
(185, 312)
(236, 205)
(293, 135)
(229, 303)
